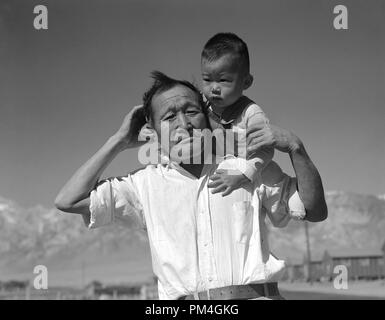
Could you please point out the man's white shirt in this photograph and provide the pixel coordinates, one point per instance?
(200, 240)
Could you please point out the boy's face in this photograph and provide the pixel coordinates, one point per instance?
(224, 80)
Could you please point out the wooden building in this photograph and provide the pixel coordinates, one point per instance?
(360, 264)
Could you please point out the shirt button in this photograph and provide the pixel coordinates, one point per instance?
(210, 279)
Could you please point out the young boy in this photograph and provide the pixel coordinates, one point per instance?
(226, 74)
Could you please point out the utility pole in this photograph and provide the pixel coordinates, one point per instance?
(83, 274)
(308, 254)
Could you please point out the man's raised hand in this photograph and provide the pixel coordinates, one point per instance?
(130, 128)
(259, 136)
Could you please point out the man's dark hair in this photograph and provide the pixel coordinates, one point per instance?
(225, 43)
(163, 83)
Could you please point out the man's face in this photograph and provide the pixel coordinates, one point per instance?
(179, 110)
(223, 80)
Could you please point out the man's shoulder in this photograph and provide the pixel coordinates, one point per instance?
(137, 173)
(147, 170)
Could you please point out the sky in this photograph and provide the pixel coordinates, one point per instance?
(64, 91)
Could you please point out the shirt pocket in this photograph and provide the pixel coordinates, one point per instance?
(242, 221)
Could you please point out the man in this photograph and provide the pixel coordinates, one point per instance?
(203, 245)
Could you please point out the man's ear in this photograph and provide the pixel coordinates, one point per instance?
(147, 132)
(248, 81)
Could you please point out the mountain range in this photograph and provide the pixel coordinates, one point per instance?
(75, 255)
(355, 225)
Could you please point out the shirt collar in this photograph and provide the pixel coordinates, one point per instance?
(167, 163)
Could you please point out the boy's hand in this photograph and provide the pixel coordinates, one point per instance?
(227, 181)
(130, 128)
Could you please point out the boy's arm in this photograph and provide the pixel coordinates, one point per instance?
(74, 196)
(256, 161)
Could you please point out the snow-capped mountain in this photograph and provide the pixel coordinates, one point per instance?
(62, 242)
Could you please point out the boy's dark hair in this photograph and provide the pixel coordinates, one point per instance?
(224, 43)
(162, 83)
